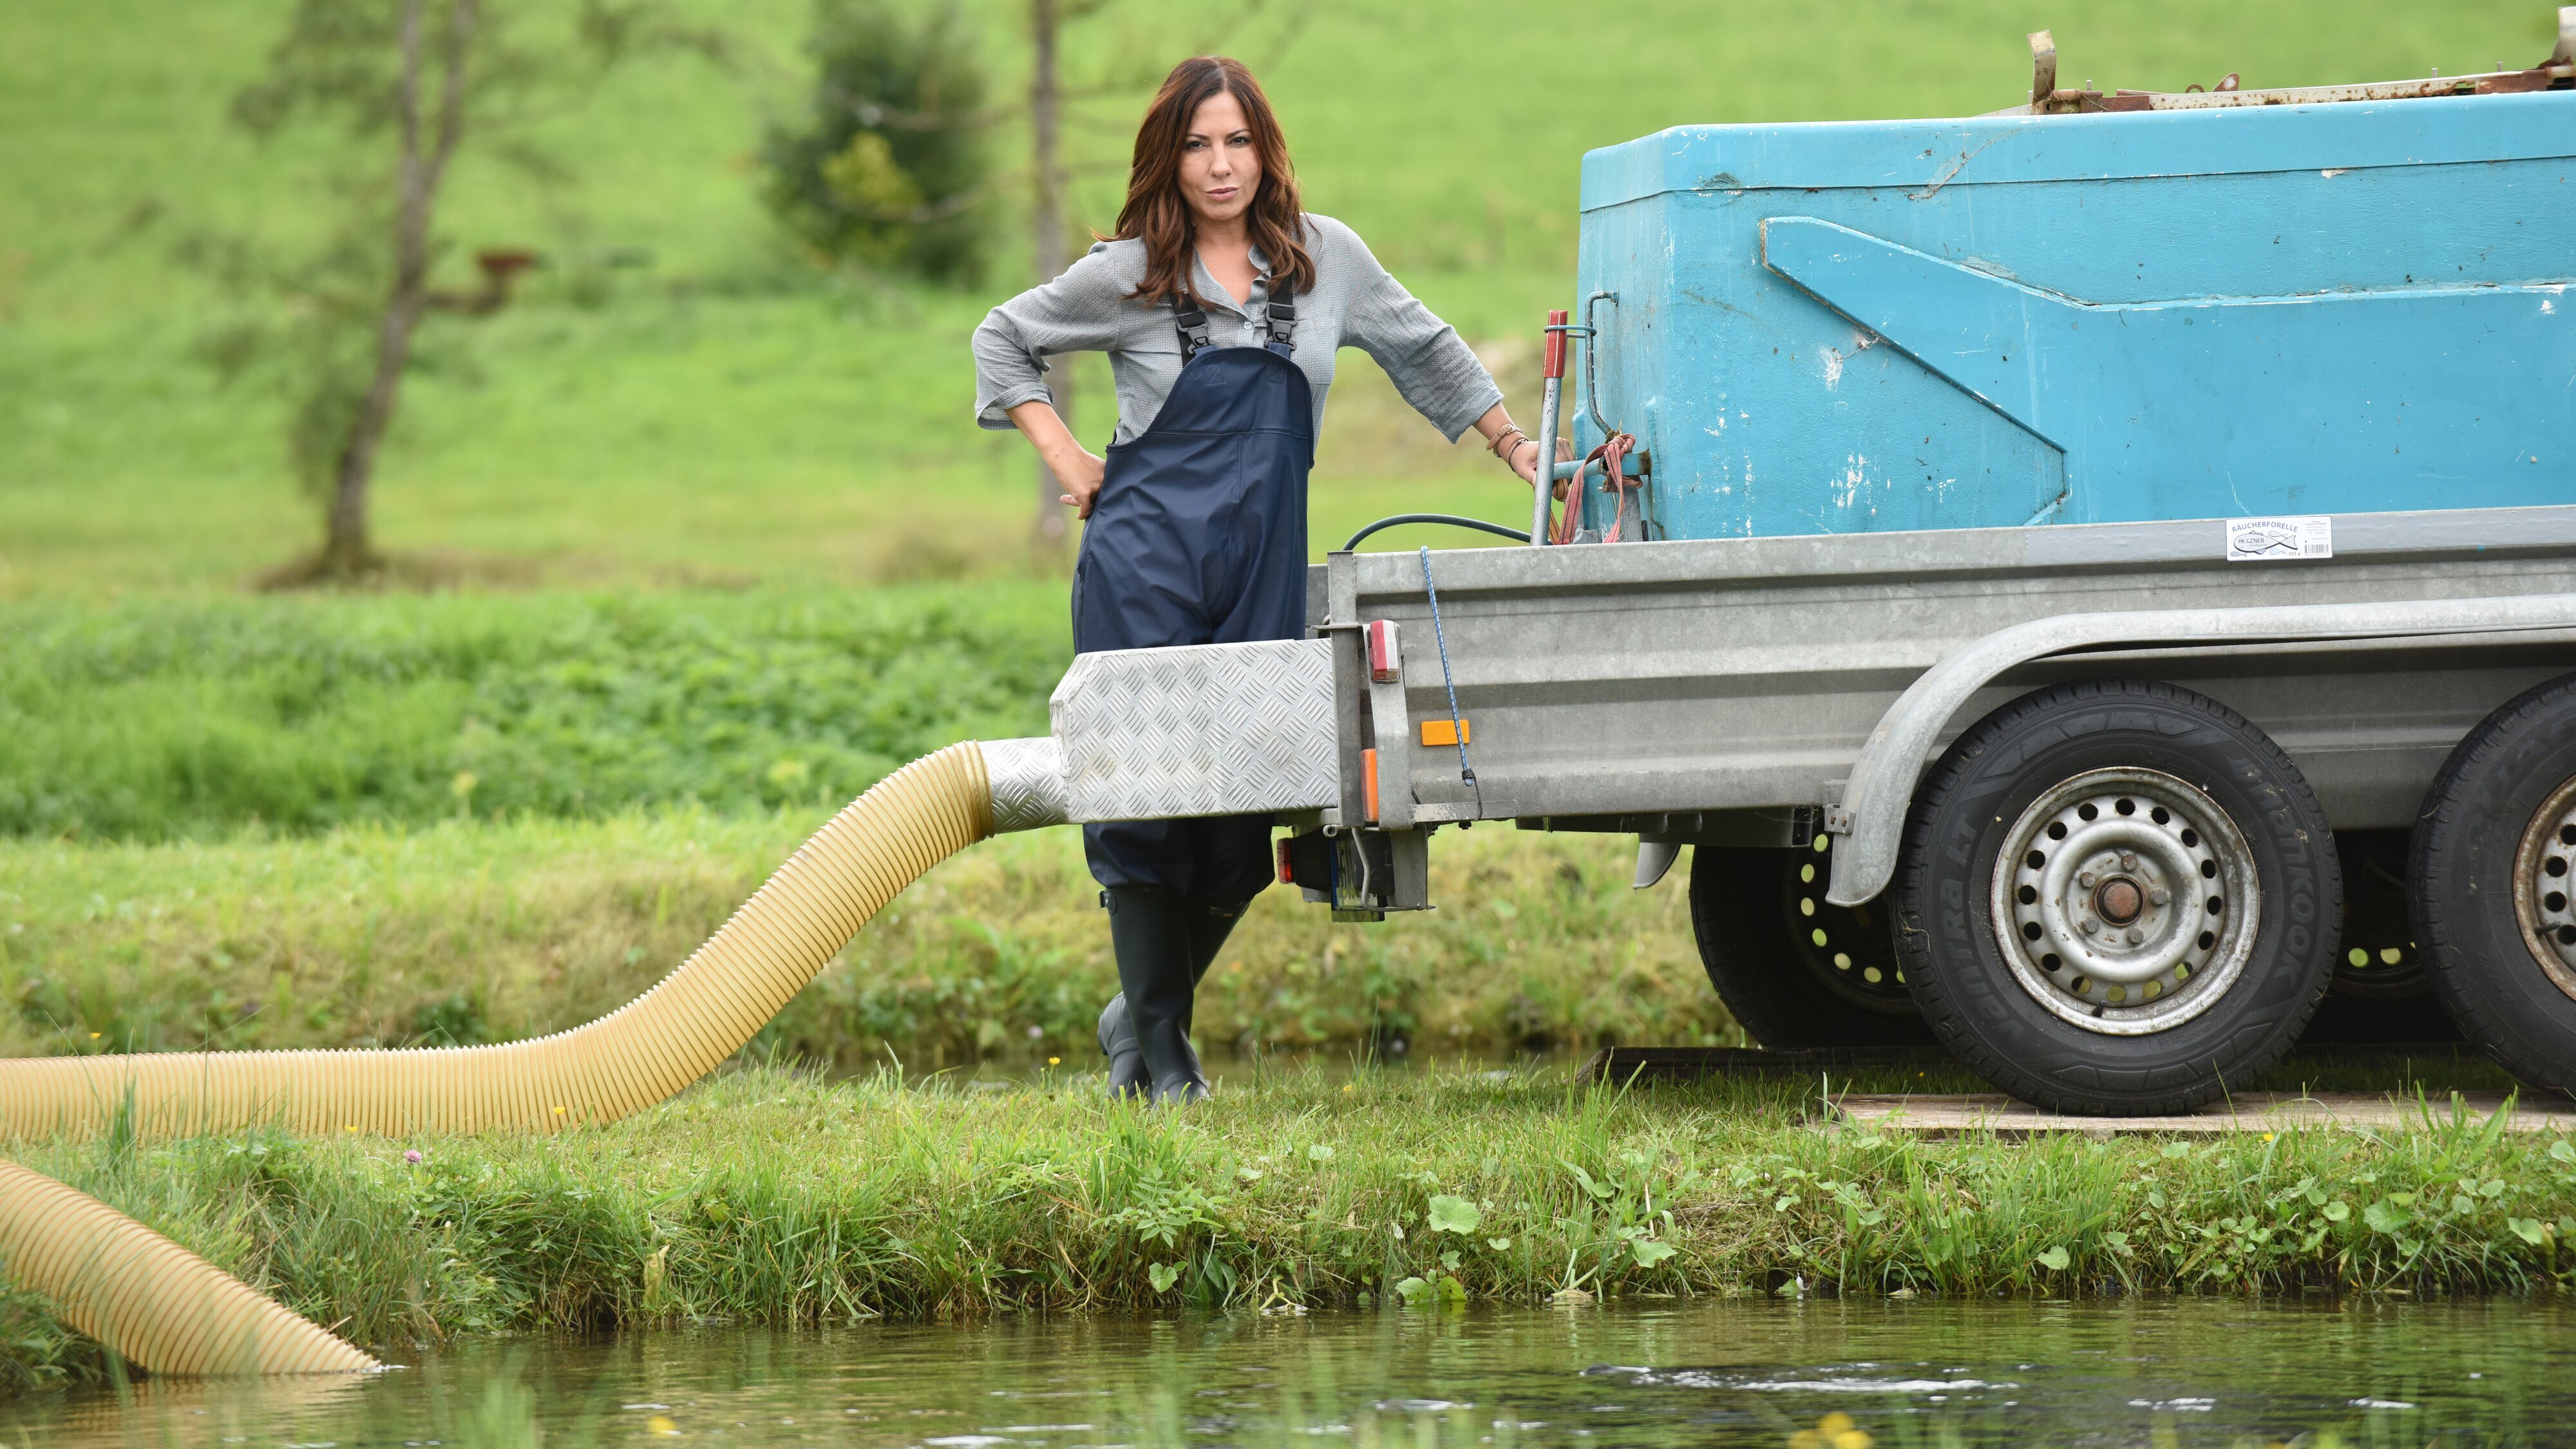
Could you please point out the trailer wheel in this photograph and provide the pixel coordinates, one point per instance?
(2495, 852)
(1795, 971)
(2381, 995)
(2117, 897)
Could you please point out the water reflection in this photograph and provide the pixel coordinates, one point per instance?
(2189, 1372)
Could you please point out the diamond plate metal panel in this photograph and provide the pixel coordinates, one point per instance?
(1027, 782)
(1206, 729)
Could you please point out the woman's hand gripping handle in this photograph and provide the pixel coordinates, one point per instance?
(1518, 450)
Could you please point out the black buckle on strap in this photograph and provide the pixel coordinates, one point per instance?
(1193, 325)
(1283, 315)
(1191, 321)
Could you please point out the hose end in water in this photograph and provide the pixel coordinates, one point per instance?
(154, 1302)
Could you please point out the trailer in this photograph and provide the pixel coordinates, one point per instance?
(2084, 583)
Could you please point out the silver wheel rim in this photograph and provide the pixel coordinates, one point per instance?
(2125, 901)
(2544, 879)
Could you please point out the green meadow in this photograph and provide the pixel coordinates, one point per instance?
(680, 399)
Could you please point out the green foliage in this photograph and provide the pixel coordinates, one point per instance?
(872, 1197)
(493, 930)
(36, 1350)
(887, 165)
(401, 89)
(307, 323)
(160, 719)
(1453, 1215)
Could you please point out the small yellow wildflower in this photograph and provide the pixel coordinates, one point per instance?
(1833, 1431)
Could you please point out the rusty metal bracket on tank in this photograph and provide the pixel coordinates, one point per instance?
(1591, 361)
(2048, 98)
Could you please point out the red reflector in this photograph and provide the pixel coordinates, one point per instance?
(1385, 664)
(1287, 873)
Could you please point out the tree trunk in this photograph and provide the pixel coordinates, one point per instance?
(1046, 103)
(346, 547)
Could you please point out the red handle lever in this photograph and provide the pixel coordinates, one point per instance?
(1555, 351)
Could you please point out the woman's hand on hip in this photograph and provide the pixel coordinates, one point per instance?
(1077, 469)
(1081, 472)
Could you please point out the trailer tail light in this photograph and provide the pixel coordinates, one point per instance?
(1386, 666)
(1306, 862)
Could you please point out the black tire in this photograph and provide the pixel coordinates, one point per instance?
(2173, 800)
(2381, 995)
(2501, 963)
(1755, 914)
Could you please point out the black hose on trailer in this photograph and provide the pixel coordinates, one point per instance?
(1453, 519)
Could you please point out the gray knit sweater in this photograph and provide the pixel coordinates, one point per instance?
(1354, 304)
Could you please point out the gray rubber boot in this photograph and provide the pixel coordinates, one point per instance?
(1208, 928)
(1118, 1043)
(1150, 933)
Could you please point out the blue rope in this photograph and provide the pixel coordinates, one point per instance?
(1457, 729)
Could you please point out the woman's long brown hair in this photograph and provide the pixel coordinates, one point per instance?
(1156, 212)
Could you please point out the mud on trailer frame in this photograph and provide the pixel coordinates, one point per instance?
(2084, 580)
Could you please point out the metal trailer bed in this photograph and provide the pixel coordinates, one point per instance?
(1757, 691)
(1777, 703)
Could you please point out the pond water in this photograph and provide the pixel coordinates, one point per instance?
(1924, 1372)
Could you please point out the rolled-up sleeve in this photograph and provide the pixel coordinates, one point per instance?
(1077, 312)
(1434, 368)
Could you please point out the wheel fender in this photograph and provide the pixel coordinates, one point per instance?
(1870, 817)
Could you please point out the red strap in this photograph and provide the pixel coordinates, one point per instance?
(1613, 458)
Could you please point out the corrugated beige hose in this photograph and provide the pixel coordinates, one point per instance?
(625, 1061)
(151, 1300)
(173, 1312)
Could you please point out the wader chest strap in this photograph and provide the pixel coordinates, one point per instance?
(1192, 322)
(1193, 325)
(1283, 318)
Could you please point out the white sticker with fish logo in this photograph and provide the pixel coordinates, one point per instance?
(2253, 540)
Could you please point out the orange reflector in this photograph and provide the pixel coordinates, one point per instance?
(1368, 774)
(1442, 732)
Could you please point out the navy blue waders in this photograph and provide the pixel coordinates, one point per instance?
(1198, 536)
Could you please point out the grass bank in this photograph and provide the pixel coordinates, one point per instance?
(468, 931)
(772, 1196)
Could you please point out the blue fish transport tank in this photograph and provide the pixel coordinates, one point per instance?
(2090, 309)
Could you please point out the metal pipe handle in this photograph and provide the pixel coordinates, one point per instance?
(1542, 482)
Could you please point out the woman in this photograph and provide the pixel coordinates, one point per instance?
(1220, 304)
